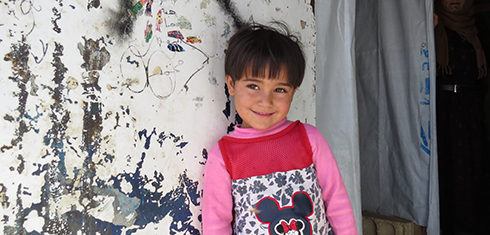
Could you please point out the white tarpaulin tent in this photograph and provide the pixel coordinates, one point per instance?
(376, 103)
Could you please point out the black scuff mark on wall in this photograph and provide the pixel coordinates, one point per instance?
(19, 56)
(229, 8)
(54, 21)
(121, 22)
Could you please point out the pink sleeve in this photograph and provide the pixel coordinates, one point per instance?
(338, 207)
(217, 203)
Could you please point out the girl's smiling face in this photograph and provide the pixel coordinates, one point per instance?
(261, 102)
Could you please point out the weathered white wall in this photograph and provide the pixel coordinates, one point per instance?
(104, 131)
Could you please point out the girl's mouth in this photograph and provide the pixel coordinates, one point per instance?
(262, 114)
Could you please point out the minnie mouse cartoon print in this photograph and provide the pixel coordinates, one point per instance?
(288, 220)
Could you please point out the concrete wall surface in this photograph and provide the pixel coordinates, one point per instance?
(108, 109)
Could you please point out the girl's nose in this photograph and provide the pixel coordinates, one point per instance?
(266, 98)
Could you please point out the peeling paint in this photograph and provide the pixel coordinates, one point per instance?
(93, 4)
(72, 83)
(4, 199)
(209, 20)
(303, 24)
(94, 145)
(57, 16)
(19, 56)
(95, 58)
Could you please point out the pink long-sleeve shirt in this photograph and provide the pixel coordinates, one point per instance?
(217, 208)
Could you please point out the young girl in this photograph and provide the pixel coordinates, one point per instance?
(271, 175)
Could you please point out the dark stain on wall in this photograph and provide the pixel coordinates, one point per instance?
(19, 56)
(121, 22)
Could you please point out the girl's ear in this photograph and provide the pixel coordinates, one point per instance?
(230, 84)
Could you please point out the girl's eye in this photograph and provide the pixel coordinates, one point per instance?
(253, 86)
(281, 90)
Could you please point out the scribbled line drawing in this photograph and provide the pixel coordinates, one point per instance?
(28, 10)
(45, 50)
(132, 54)
(180, 38)
(158, 74)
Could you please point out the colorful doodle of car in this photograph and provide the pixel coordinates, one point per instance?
(175, 47)
(193, 39)
(175, 34)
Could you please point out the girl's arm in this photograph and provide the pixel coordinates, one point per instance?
(217, 203)
(338, 207)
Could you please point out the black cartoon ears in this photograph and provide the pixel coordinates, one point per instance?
(292, 217)
(302, 204)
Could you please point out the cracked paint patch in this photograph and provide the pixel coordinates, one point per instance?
(19, 57)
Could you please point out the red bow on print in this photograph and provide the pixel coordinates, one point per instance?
(287, 227)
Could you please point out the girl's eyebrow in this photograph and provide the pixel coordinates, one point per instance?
(252, 80)
(261, 80)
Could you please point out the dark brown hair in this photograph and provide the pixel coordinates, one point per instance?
(259, 46)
